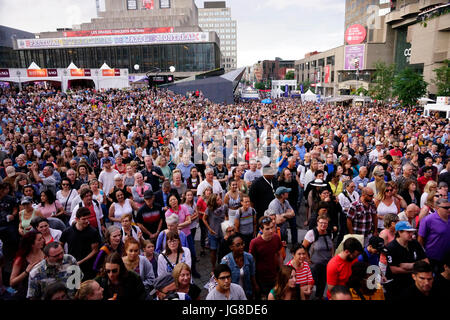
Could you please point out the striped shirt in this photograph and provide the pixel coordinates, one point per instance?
(303, 275)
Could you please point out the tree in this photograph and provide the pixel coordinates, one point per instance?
(260, 86)
(289, 76)
(409, 86)
(383, 80)
(442, 80)
(306, 86)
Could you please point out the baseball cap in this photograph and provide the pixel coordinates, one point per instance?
(161, 282)
(26, 200)
(404, 226)
(148, 194)
(281, 190)
(318, 183)
(377, 243)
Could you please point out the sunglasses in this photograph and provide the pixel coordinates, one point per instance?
(389, 190)
(108, 271)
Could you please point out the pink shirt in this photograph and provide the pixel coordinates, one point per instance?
(182, 214)
(47, 210)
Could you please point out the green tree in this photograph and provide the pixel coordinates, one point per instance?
(409, 86)
(289, 76)
(306, 86)
(260, 86)
(442, 80)
(383, 79)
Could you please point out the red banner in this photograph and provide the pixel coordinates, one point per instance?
(327, 74)
(111, 73)
(4, 73)
(36, 73)
(115, 32)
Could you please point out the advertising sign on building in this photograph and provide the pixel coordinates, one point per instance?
(164, 4)
(327, 74)
(4, 73)
(147, 4)
(355, 34)
(115, 32)
(120, 40)
(354, 57)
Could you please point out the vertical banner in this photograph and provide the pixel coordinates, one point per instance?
(327, 74)
(286, 91)
(301, 88)
(147, 4)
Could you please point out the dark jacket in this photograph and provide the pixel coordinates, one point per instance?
(131, 288)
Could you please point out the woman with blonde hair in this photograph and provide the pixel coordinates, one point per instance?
(429, 206)
(378, 183)
(429, 187)
(183, 280)
(386, 203)
(89, 290)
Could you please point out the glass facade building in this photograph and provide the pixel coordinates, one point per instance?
(187, 57)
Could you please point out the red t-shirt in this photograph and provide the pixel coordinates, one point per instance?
(338, 272)
(422, 181)
(266, 258)
(92, 217)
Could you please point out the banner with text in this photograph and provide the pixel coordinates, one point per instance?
(115, 32)
(121, 40)
(354, 55)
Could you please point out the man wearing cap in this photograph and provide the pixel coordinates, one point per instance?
(165, 289)
(282, 208)
(150, 216)
(401, 254)
(262, 191)
(434, 234)
(373, 155)
(371, 253)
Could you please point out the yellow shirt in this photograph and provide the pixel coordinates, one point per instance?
(378, 295)
(337, 190)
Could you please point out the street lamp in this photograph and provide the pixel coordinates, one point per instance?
(356, 61)
(136, 67)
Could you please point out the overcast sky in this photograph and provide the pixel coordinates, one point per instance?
(265, 28)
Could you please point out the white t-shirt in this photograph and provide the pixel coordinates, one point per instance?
(217, 188)
(107, 180)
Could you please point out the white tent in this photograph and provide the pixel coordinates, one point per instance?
(72, 66)
(425, 100)
(33, 66)
(309, 96)
(104, 66)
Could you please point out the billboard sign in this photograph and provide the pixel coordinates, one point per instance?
(115, 32)
(355, 34)
(120, 40)
(354, 56)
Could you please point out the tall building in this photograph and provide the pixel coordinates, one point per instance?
(215, 16)
(140, 35)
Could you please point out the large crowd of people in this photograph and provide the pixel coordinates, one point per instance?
(103, 195)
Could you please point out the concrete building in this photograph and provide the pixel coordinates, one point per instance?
(322, 70)
(215, 16)
(151, 34)
(422, 36)
(381, 31)
(276, 69)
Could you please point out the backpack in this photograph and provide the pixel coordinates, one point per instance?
(317, 238)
